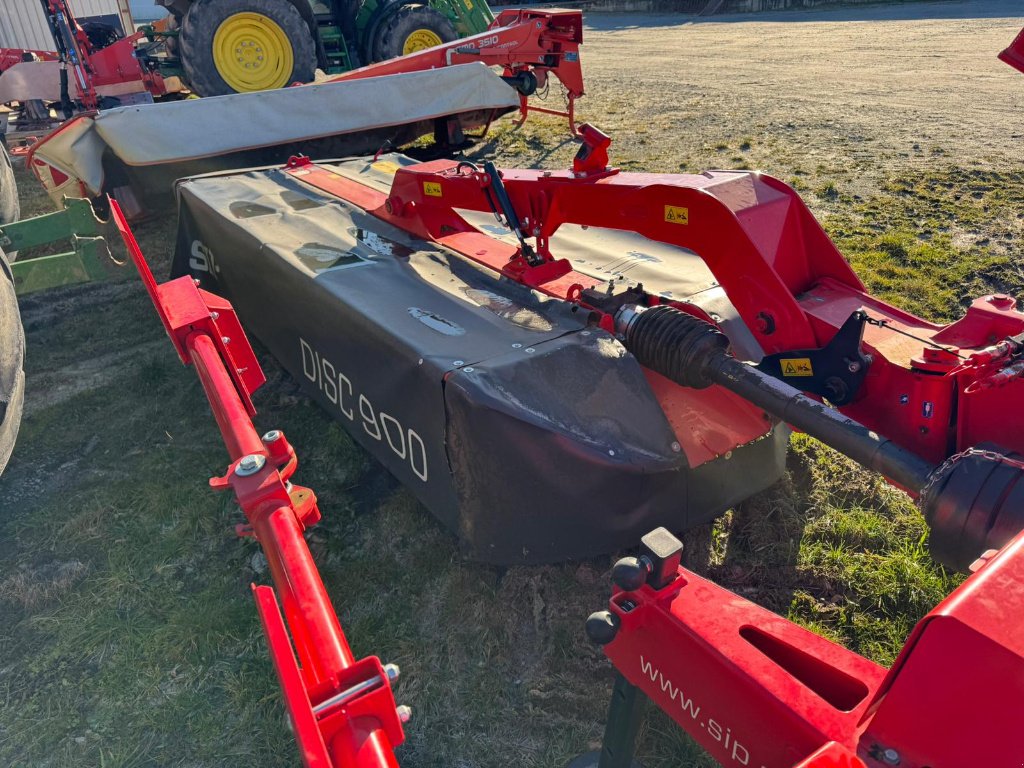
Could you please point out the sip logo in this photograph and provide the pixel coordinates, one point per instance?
(200, 258)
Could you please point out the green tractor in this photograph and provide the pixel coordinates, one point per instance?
(236, 46)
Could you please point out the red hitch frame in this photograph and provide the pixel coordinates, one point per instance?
(342, 710)
(754, 689)
(934, 390)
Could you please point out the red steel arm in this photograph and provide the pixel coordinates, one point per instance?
(935, 390)
(342, 710)
(526, 43)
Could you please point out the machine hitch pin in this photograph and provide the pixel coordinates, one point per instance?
(404, 713)
(348, 694)
(891, 756)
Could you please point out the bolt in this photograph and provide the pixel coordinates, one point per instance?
(215, 315)
(531, 350)
(459, 362)
(853, 367)
(250, 465)
(272, 436)
(468, 369)
(676, 447)
(765, 323)
(225, 339)
(404, 713)
(584, 333)
(890, 756)
(517, 346)
(611, 452)
(392, 671)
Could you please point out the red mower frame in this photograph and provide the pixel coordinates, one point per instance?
(342, 710)
(751, 687)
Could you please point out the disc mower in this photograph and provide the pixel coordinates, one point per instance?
(556, 362)
(645, 337)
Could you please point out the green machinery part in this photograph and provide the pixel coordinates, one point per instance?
(467, 17)
(76, 224)
(348, 34)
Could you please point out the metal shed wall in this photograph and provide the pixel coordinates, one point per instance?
(23, 25)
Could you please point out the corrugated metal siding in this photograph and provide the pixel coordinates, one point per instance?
(23, 25)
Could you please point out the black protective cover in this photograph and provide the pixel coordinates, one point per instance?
(530, 436)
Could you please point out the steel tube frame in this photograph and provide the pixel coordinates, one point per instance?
(362, 731)
(849, 437)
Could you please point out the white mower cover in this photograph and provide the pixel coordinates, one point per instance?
(192, 129)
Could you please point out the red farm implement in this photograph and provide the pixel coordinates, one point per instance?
(450, 91)
(771, 328)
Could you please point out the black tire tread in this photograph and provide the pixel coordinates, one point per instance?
(10, 207)
(12, 337)
(204, 17)
(406, 20)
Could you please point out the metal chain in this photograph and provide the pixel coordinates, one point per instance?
(943, 469)
(886, 324)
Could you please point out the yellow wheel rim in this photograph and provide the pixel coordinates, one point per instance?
(420, 40)
(252, 53)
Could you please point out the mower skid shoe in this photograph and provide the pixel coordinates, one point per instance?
(531, 436)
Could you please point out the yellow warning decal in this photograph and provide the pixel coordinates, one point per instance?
(676, 215)
(385, 166)
(797, 366)
(432, 188)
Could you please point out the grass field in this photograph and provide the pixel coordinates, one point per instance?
(128, 636)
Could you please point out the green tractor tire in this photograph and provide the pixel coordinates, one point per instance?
(240, 46)
(410, 29)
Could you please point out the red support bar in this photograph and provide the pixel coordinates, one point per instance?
(342, 710)
(232, 416)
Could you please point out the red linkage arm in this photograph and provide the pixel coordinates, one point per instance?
(526, 43)
(935, 390)
(342, 710)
